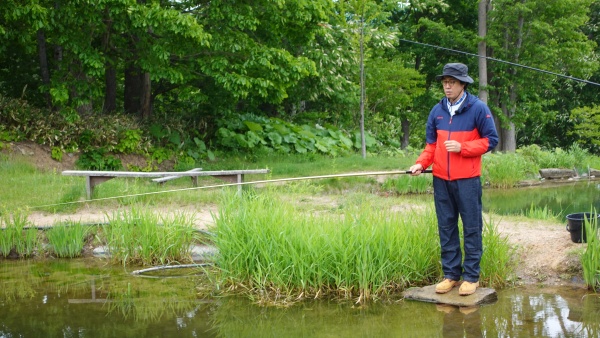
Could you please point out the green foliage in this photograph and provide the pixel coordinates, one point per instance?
(66, 131)
(129, 141)
(536, 33)
(97, 159)
(57, 153)
(251, 133)
(173, 139)
(574, 157)
(587, 127)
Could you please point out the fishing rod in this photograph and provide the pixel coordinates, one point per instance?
(289, 179)
(502, 61)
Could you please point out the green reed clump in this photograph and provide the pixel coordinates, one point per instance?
(506, 170)
(16, 236)
(498, 262)
(365, 252)
(590, 258)
(67, 239)
(143, 237)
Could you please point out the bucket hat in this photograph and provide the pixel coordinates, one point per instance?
(456, 70)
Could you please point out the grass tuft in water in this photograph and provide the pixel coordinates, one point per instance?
(498, 262)
(143, 237)
(590, 258)
(15, 236)
(68, 239)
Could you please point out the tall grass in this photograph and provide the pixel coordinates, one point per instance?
(14, 237)
(505, 170)
(590, 258)
(543, 213)
(364, 252)
(68, 239)
(142, 237)
(498, 263)
(575, 156)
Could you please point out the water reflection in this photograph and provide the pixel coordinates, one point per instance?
(82, 298)
(562, 199)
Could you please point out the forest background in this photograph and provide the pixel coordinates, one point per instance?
(190, 80)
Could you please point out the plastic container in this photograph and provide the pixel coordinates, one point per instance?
(575, 225)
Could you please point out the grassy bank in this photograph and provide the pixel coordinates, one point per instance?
(23, 186)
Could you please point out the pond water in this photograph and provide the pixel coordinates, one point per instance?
(86, 298)
(561, 199)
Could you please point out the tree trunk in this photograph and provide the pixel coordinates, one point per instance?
(507, 132)
(133, 90)
(45, 71)
(497, 121)
(146, 96)
(110, 71)
(481, 50)
(362, 92)
(138, 99)
(509, 135)
(110, 94)
(405, 141)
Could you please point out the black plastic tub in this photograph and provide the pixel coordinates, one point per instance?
(575, 225)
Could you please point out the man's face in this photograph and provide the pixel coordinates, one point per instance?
(452, 87)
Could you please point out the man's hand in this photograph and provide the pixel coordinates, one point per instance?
(452, 146)
(416, 169)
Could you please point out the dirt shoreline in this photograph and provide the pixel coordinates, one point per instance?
(547, 256)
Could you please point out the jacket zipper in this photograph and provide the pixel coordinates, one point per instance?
(449, 137)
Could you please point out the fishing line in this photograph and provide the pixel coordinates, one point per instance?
(234, 184)
(502, 61)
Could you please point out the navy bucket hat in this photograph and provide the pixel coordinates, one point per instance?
(456, 70)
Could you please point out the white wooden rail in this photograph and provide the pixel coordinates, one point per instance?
(93, 178)
(164, 179)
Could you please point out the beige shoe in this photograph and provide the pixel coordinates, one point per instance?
(445, 286)
(468, 288)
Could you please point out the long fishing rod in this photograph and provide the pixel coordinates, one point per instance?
(289, 179)
(502, 61)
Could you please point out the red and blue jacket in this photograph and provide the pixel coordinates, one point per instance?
(472, 126)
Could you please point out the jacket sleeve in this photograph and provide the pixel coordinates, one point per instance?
(487, 131)
(426, 157)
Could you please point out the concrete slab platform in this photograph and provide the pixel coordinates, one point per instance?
(427, 294)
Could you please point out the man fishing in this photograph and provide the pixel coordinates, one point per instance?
(460, 129)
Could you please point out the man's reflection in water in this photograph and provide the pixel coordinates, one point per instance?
(460, 321)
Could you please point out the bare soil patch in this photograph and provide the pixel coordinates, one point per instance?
(547, 256)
